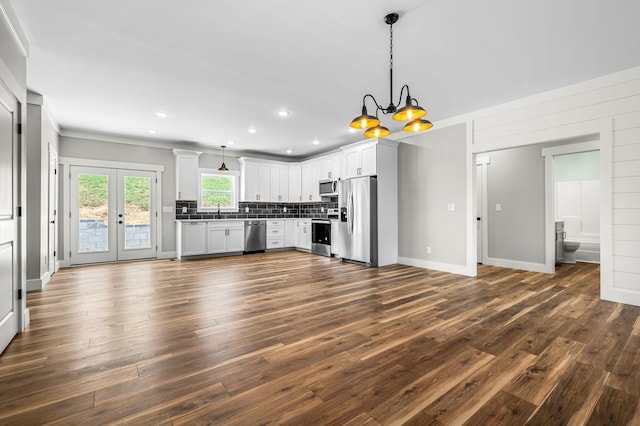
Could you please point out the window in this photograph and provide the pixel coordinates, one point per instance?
(218, 190)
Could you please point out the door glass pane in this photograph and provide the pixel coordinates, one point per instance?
(93, 206)
(137, 212)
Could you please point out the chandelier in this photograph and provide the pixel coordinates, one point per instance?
(411, 112)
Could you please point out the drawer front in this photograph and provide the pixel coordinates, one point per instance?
(275, 231)
(275, 242)
(275, 223)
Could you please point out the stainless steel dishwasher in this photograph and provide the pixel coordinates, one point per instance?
(255, 235)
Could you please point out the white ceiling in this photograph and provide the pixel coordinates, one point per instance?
(220, 67)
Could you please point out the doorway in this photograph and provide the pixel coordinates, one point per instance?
(10, 304)
(112, 214)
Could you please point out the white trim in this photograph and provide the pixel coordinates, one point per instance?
(39, 284)
(85, 162)
(571, 148)
(515, 264)
(471, 210)
(438, 266)
(483, 159)
(16, 30)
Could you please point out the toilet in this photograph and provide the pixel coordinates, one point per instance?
(569, 249)
(572, 228)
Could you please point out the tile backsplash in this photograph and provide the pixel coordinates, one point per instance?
(258, 210)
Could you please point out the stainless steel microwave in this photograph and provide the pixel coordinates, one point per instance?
(328, 188)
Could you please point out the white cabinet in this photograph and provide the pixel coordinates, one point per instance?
(256, 180)
(192, 238)
(307, 182)
(335, 237)
(225, 237)
(295, 183)
(290, 233)
(275, 234)
(186, 174)
(360, 160)
(304, 234)
(331, 167)
(279, 183)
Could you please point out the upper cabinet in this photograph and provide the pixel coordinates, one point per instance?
(279, 182)
(186, 174)
(295, 182)
(360, 160)
(331, 167)
(255, 180)
(307, 182)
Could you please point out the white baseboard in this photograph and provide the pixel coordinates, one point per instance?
(38, 284)
(438, 266)
(516, 264)
(167, 255)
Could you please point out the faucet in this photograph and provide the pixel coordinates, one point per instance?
(218, 214)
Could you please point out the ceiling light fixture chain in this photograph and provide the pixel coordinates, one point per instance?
(412, 111)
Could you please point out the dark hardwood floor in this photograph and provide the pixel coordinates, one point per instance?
(293, 338)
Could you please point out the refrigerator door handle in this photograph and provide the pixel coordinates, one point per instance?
(350, 213)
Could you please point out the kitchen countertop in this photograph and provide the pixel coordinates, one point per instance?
(243, 220)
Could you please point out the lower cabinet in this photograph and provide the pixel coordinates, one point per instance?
(225, 237)
(304, 234)
(275, 234)
(291, 233)
(192, 238)
(201, 238)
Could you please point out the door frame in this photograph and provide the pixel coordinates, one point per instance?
(20, 315)
(67, 162)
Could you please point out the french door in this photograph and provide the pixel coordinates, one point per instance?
(113, 215)
(10, 305)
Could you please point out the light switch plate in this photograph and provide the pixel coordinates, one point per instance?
(451, 207)
(498, 207)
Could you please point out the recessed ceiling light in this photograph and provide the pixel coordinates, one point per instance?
(352, 130)
(153, 132)
(230, 142)
(252, 130)
(289, 151)
(283, 113)
(316, 142)
(162, 114)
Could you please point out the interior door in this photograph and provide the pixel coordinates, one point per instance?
(112, 215)
(9, 223)
(53, 209)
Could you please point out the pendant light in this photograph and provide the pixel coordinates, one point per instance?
(223, 167)
(411, 111)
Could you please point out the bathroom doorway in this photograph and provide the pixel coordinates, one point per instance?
(573, 196)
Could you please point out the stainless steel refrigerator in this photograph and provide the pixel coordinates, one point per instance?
(358, 203)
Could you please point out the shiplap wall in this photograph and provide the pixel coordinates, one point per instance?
(573, 111)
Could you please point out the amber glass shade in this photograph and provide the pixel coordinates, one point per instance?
(409, 112)
(417, 125)
(377, 132)
(364, 121)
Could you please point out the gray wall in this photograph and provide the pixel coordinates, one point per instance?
(515, 180)
(432, 174)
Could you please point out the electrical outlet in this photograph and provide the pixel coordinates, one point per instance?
(451, 207)
(184, 210)
(246, 209)
(498, 207)
(284, 209)
(321, 209)
(428, 250)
